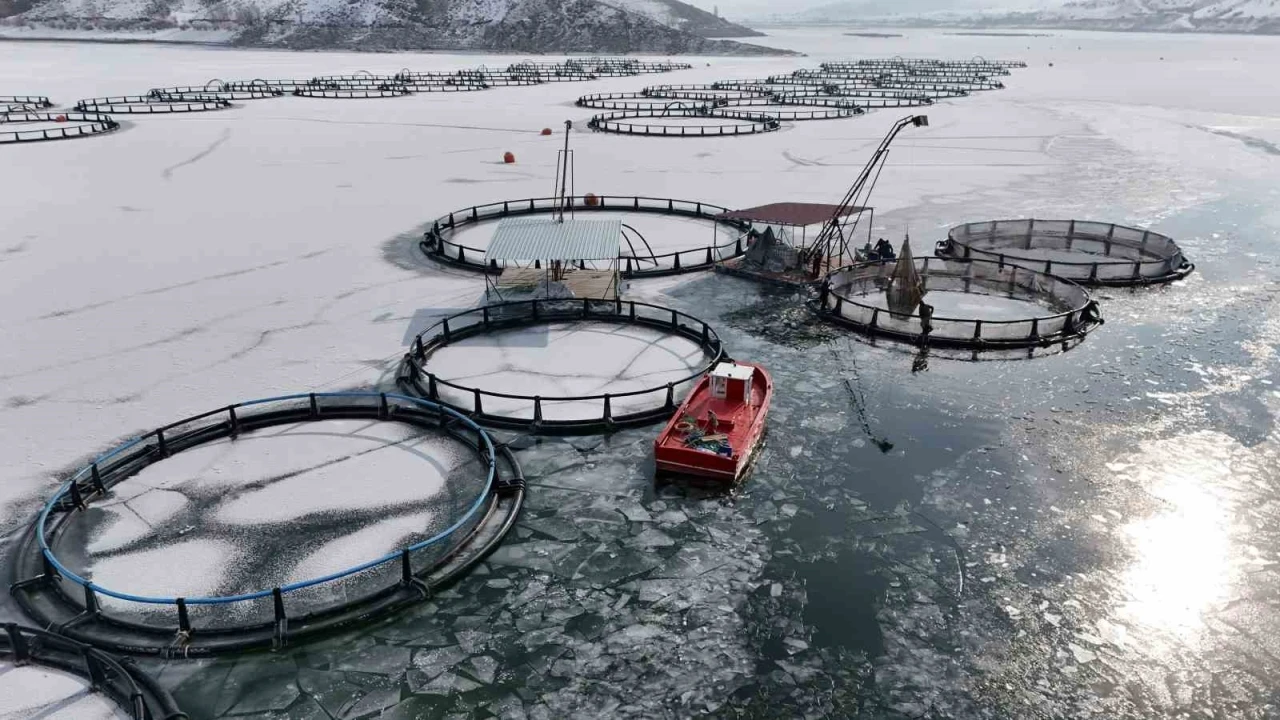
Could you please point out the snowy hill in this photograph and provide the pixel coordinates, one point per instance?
(1239, 16)
(613, 26)
(683, 16)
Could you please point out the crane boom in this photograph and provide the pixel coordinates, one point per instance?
(832, 232)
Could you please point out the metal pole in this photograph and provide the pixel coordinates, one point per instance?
(564, 171)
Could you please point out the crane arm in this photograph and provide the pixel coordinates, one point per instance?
(831, 231)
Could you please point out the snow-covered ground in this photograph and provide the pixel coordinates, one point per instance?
(186, 262)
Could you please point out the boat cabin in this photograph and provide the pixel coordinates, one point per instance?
(732, 383)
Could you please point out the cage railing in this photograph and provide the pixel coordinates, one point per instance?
(436, 244)
(89, 124)
(592, 412)
(614, 123)
(1127, 255)
(98, 477)
(845, 296)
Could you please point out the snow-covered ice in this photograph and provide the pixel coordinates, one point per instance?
(242, 514)
(568, 360)
(34, 691)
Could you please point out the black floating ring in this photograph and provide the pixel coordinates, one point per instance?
(149, 105)
(133, 690)
(42, 584)
(437, 246)
(86, 124)
(416, 379)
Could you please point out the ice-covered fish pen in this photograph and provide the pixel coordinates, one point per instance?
(562, 366)
(285, 86)
(965, 303)
(792, 109)
(217, 90)
(707, 92)
(682, 122)
(639, 258)
(641, 101)
(33, 126)
(350, 90)
(150, 104)
(9, 103)
(1090, 253)
(266, 522)
(47, 675)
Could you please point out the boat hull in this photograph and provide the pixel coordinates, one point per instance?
(672, 455)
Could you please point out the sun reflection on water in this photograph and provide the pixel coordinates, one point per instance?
(1182, 552)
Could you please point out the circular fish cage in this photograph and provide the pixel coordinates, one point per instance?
(424, 85)
(872, 101)
(259, 84)
(24, 102)
(137, 694)
(473, 78)
(550, 72)
(709, 93)
(555, 412)
(681, 122)
(351, 91)
(439, 244)
(789, 111)
(327, 563)
(214, 91)
(1089, 253)
(53, 125)
(150, 104)
(976, 304)
(638, 101)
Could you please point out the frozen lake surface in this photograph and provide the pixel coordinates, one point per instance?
(1089, 534)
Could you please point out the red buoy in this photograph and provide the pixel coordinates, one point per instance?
(509, 158)
(60, 118)
(546, 131)
(591, 200)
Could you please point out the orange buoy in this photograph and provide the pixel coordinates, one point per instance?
(509, 158)
(546, 131)
(60, 118)
(591, 200)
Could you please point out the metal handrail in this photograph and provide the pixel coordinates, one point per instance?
(542, 311)
(1172, 261)
(457, 252)
(828, 288)
(96, 124)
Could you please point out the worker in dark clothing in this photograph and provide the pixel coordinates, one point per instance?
(884, 249)
(926, 322)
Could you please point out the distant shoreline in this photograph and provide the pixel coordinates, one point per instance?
(994, 28)
(219, 45)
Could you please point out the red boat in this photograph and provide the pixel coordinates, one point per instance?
(717, 430)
